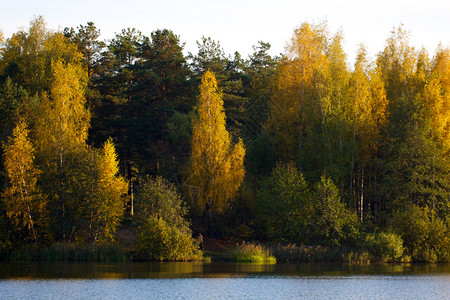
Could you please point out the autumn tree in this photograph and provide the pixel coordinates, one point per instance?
(61, 133)
(27, 56)
(106, 205)
(24, 202)
(366, 113)
(414, 162)
(397, 63)
(299, 91)
(215, 170)
(437, 96)
(82, 184)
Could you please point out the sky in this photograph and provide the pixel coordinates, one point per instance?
(240, 24)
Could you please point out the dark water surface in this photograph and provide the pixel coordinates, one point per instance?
(222, 281)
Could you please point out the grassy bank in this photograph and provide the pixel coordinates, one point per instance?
(298, 254)
(69, 252)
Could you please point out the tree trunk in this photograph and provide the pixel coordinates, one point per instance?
(361, 197)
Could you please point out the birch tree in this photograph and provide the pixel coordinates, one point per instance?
(216, 169)
(24, 203)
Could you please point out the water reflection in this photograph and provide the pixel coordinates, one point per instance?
(210, 270)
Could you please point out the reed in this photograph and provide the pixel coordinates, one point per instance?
(293, 253)
(249, 252)
(71, 252)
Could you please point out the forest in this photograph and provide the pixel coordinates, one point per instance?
(293, 152)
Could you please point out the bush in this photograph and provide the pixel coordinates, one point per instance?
(164, 233)
(426, 236)
(386, 247)
(157, 240)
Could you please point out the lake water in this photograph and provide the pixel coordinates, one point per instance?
(222, 281)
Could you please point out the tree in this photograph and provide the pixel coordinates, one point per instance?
(299, 92)
(333, 225)
(87, 41)
(285, 204)
(28, 55)
(426, 236)
(415, 167)
(24, 202)
(397, 63)
(366, 115)
(215, 170)
(64, 121)
(210, 57)
(260, 69)
(61, 132)
(106, 206)
(437, 94)
(163, 88)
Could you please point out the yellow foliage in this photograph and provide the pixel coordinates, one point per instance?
(437, 95)
(216, 169)
(108, 206)
(368, 106)
(398, 63)
(63, 120)
(33, 52)
(298, 96)
(21, 197)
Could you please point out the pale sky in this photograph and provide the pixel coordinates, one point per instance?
(239, 24)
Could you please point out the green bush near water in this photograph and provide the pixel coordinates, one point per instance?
(157, 240)
(426, 236)
(385, 247)
(164, 233)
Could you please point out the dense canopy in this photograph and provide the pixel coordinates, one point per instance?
(303, 148)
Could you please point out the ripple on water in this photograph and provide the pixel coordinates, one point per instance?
(233, 287)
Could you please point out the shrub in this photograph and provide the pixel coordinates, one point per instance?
(157, 240)
(425, 235)
(164, 233)
(387, 247)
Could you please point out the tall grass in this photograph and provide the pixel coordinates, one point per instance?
(71, 252)
(297, 254)
(248, 252)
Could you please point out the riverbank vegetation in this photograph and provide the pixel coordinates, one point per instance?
(317, 159)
